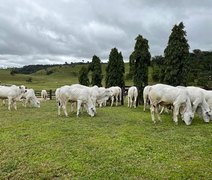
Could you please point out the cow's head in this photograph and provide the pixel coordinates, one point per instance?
(91, 111)
(206, 115)
(35, 103)
(188, 116)
(22, 89)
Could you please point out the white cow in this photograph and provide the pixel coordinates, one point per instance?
(208, 97)
(44, 94)
(11, 93)
(104, 95)
(165, 95)
(115, 94)
(198, 100)
(97, 94)
(57, 92)
(29, 97)
(146, 95)
(132, 96)
(57, 97)
(146, 100)
(103, 101)
(75, 94)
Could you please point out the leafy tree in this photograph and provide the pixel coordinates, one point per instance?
(96, 69)
(200, 68)
(83, 76)
(157, 64)
(176, 57)
(13, 72)
(121, 71)
(140, 59)
(115, 69)
(132, 66)
(29, 79)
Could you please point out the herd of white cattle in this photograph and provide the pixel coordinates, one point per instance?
(184, 101)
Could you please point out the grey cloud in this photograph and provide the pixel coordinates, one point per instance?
(36, 32)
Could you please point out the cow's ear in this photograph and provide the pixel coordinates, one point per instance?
(19, 87)
(25, 87)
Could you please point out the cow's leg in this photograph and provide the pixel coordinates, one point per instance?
(157, 112)
(9, 103)
(162, 109)
(152, 109)
(128, 101)
(64, 109)
(72, 106)
(112, 100)
(3, 102)
(131, 102)
(135, 99)
(117, 100)
(24, 102)
(14, 105)
(83, 107)
(79, 103)
(175, 114)
(144, 104)
(182, 111)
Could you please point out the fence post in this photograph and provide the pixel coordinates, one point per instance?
(50, 94)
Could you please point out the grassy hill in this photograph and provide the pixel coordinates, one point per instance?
(62, 75)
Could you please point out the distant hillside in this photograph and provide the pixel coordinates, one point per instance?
(49, 76)
(29, 69)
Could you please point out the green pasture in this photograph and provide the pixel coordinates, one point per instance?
(118, 143)
(63, 75)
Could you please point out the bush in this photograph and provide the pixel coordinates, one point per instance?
(29, 79)
(49, 72)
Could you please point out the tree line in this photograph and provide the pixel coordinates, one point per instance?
(176, 67)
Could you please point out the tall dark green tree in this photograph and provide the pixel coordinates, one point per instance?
(140, 60)
(115, 69)
(176, 56)
(157, 68)
(121, 71)
(83, 76)
(132, 66)
(96, 69)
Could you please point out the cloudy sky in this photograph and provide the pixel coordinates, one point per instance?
(58, 31)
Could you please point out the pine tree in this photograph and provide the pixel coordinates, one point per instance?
(157, 68)
(121, 71)
(96, 69)
(83, 76)
(115, 69)
(176, 56)
(140, 60)
(132, 66)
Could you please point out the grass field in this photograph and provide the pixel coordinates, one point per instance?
(119, 143)
(64, 75)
